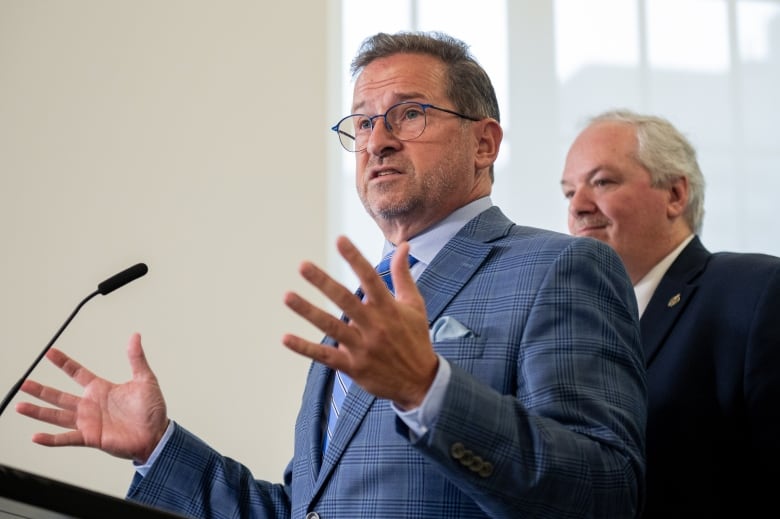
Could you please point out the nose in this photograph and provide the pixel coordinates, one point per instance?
(580, 202)
(381, 140)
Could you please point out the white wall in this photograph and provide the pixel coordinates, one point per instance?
(189, 135)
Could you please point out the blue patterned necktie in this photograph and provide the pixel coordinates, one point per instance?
(341, 381)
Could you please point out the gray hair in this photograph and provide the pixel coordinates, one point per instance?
(468, 86)
(667, 155)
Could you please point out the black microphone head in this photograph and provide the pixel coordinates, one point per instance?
(123, 278)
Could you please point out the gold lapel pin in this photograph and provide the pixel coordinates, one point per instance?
(674, 300)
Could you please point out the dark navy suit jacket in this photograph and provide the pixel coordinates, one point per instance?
(711, 335)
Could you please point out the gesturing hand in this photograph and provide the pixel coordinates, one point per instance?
(385, 346)
(125, 420)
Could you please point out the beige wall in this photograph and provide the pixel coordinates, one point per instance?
(190, 135)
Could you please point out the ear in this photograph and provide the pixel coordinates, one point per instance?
(678, 197)
(489, 134)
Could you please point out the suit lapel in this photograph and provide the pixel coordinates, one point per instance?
(314, 402)
(353, 411)
(671, 297)
(459, 259)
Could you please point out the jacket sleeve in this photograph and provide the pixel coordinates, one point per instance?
(192, 479)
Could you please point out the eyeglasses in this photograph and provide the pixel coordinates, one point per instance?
(405, 121)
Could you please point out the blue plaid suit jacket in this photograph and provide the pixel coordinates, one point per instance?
(544, 415)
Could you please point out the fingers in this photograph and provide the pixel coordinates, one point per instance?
(325, 321)
(70, 438)
(328, 355)
(73, 369)
(67, 403)
(58, 417)
(50, 395)
(370, 282)
(356, 260)
(379, 306)
(332, 289)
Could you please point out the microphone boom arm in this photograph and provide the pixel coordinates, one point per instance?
(107, 286)
(18, 385)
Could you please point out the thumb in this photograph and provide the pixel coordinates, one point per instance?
(405, 288)
(135, 354)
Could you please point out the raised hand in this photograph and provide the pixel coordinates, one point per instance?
(125, 420)
(385, 347)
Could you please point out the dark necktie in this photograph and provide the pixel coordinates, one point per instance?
(341, 381)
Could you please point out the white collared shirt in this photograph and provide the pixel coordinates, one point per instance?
(646, 286)
(426, 245)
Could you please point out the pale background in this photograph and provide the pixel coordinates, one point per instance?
(189, 135)
(194, 136)
(712, 67)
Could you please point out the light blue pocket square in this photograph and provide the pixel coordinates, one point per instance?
(448, 328)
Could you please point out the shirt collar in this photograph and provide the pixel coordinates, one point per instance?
(426, 245)
(646, 286)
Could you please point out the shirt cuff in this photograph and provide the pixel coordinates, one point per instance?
(421, 419)
(143, 469)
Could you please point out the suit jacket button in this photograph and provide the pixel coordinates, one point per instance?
(467, 458)
(312, 515)
(486, 470)
(457, 450)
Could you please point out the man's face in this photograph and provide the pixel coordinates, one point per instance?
(406, 186)
(611, 199)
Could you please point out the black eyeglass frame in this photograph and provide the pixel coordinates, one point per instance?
(372, 118)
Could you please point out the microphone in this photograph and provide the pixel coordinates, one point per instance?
(121, 279)
(106, 287)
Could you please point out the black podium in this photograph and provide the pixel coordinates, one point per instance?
(29, 496)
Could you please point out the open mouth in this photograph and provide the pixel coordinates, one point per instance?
(384, 173)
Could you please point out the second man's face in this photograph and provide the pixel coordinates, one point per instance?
(610, 196)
